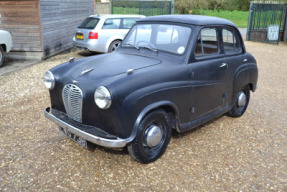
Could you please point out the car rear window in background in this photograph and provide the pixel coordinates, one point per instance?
(207, 43)
(112, 24)
(89, 23)
(230, 41)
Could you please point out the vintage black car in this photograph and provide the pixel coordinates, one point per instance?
(170, 72)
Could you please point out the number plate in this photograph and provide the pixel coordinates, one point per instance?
(74, 137)
(80, 36)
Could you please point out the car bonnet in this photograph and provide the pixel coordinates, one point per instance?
(109, 65)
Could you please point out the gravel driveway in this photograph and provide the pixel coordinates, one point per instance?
(247, 154)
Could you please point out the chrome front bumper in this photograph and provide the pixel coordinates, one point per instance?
(113, 143)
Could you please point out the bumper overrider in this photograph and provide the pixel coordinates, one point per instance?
(86, 132)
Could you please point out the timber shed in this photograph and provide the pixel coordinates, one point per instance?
(42, 28)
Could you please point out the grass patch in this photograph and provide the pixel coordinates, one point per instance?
(240, 18)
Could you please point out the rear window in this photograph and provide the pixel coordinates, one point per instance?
(89, 23)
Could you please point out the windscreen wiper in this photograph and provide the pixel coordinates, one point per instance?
(131, 45)
(150, 48)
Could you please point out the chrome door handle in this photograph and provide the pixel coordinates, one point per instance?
(223, 65)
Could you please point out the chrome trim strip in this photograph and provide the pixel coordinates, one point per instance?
(113, 143)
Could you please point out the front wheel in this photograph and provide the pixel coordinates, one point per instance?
(241, 104)
(153, 136)
(114, 45)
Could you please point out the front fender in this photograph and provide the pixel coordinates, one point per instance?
(147, 110)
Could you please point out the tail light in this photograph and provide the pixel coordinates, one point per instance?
(93, 35)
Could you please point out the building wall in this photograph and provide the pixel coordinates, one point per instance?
(59, 20)
(103, 8)
(21, 19)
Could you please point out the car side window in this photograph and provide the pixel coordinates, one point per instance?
(112, 24)
(207, 42)
(230, 41)
(128, 22)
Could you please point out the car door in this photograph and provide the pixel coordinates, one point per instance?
(110, 31)
(208, 70)
(234, 57)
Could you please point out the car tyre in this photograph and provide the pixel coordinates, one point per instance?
(2, 56)
(114, 45)
(153, 136)
(242, 101)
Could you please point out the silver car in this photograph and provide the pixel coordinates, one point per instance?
(103, 33)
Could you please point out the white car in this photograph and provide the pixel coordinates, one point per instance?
(5, 44)
(103, 33)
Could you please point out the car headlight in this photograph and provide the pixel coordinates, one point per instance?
(49, 80)
(102, 97)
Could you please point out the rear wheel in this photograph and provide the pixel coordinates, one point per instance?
(2, 55)
(114, 45)
(153, 136)
(241, 104)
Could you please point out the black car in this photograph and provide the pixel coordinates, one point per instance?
(170, 72)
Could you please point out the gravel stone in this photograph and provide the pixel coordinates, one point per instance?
(227, 154)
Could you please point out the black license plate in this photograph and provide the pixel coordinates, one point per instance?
(74, 137)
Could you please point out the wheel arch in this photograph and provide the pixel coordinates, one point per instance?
(111, 40)
(246, 75)
(169, 107)
(4, 47)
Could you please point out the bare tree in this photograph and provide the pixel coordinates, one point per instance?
(183, 5)
(215, 4)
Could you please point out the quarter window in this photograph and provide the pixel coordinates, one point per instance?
(112, 24)
(230, 41)
(207, 42)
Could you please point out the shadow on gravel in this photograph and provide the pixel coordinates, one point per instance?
(88, 53)
(122, 151)
(11, 65)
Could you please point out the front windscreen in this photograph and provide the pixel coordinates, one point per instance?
(89, 23)
(163, 37)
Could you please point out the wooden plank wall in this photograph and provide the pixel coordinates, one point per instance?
(59, 20)
(21, 19)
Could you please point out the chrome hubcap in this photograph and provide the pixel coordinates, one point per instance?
(153, 136)
(241, 99)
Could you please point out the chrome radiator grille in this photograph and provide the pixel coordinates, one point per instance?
(73, 100)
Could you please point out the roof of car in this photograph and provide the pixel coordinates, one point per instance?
(189, 19)
(116, 16)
